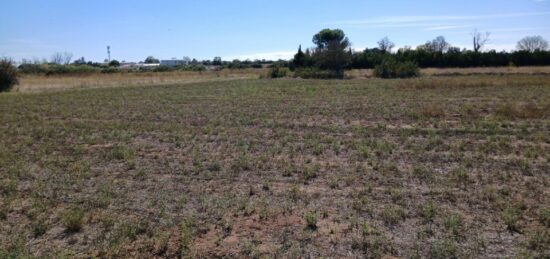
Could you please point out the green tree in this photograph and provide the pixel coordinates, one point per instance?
(331, 51)
(299, 58)
(114, 63)
(151, 60)
(217, 61)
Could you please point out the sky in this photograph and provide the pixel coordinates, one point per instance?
(252, 29)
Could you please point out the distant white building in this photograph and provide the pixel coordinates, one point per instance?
(173, 62)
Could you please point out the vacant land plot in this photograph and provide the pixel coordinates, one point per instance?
(431, 167)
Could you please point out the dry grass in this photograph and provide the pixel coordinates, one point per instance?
(529, 110)
(279, 168)
(450, 72)
(486, 71)
(33, 83)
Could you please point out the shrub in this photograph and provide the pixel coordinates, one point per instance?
(390, 68)
(8, 75)
(315, 73)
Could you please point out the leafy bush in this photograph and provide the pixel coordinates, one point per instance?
(390, 68)
(315, 73)
(8, 75)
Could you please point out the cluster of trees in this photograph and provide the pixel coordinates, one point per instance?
(332, 52)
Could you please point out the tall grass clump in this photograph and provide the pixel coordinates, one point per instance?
(8, 75)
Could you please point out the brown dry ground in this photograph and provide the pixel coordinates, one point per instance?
(437, 167)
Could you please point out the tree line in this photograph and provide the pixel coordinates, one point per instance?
(333, 52)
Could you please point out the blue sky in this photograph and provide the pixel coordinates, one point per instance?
(252, 28)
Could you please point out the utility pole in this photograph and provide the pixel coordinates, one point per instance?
(109, 53)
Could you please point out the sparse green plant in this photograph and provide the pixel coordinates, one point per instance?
(309, 173)
(460, 177)
(443, 249)
(544, 217)
(453, 225)
(428, 211)
(294, 193)
(8, 187)
(186, 236)
(119, 152)
(127, 230)
(511, 216)
(373, 242)
(422, 173)
(39, 227)
(311, 220)
(394, 214)
(73, 219)
(539, 241)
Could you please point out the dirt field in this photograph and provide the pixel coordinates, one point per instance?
(437, 167)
